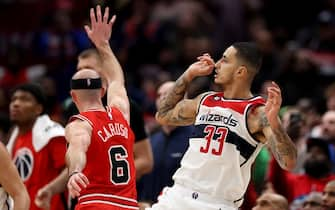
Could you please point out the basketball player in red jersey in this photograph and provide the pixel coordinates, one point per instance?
(100, 152)
(37, 146)
(231, 127)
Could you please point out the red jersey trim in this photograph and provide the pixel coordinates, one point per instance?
(234, 104)
(109, 203)
(109, 199)
(81, 117)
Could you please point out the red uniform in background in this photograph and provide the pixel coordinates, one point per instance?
(38, 168)
(110, 165)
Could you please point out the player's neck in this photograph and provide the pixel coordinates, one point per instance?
(237, 93)
(25, 127)
(91, 107)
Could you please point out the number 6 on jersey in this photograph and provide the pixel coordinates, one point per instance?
(119, 165)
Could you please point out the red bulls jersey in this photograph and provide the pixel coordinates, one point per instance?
(110, 165)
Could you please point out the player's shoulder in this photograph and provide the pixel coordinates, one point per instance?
(203, 95)
(78, 124)
(256, 118)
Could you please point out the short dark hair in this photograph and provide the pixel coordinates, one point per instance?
(35, 90)
(249, 53)
(318, 142)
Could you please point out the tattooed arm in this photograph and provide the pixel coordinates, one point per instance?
(271, 131)
(280, 143)
(174, 109)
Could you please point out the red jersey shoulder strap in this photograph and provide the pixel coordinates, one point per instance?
(80, 117)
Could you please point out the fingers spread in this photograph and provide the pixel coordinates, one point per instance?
(93, 18)
(111, 22)
(99, 16)
(87, 29)
(106, 15)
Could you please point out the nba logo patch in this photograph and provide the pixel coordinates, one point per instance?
(217, 98)
(195, 195)
(24, 162)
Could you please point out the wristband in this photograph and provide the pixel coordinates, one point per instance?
(73, 173)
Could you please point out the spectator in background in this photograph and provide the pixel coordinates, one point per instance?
(271, 201)
(308, 107)
(294, 123)
(328, 126)
(313, 201)
(326, 129)
(11, 185)
(329, 196)
(169, 144)
(37, 146)
(317, 167)
(50, 91)
(330, 96)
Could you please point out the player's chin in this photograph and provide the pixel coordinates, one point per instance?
(216, 79)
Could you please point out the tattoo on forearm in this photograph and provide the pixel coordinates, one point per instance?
(176, 94)
(180, 118)
(263, 121)
(282, 147)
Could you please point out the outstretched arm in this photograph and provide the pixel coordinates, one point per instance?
(174, 109)
(100, 33)
(78, 135)
(11, 181)
(275, 135)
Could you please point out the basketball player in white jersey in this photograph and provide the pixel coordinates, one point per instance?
(231, 127)
(13, 193)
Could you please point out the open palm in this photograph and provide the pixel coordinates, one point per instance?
(101, 28)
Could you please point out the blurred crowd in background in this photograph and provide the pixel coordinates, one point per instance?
(156, 40)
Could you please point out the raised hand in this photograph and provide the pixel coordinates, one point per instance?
(101, 27)
(203, 67)
(273, 103)
(76, 183)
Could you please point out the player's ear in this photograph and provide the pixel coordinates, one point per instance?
(242, 70)
(103, 92)
(39, 109)
(73, 95)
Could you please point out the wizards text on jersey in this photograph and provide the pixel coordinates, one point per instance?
(227, 120)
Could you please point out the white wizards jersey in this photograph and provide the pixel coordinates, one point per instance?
(6, 202)
(221, 152)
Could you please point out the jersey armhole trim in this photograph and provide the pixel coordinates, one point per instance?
(203, 98)
(249, 107)
(83, 118)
